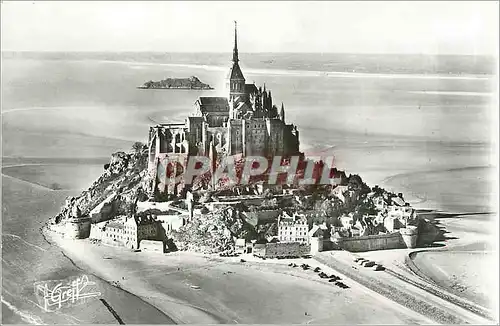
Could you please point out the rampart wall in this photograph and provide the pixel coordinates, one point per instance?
(285, 249)
(373, 242)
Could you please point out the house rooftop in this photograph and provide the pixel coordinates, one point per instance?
(398, 201)
(115, 225)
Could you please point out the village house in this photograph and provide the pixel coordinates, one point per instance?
(398, 217)
(339, 192)
(170, 217)
(347, 221)
(261, 217)
(293, 228)
(380, 203)
(125, 231)
(318, 231)
(317, 235)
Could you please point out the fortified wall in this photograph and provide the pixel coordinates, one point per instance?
(394, 240)
(286, 249)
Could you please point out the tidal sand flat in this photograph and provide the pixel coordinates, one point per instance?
(54, 176)
(467, 263)
(465, 273)
(28, 258)
(228, 291)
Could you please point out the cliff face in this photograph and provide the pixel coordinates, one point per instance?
(180, 83)
(121, 185)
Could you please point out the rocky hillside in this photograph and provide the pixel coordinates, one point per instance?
(122, 183)
(211, 233)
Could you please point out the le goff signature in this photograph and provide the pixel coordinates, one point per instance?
(56, 294)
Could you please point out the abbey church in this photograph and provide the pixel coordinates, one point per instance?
(245, 123)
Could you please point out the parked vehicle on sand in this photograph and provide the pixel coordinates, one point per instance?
(341, 285)
(368, 263)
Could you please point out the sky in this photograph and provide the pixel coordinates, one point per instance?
(454, 27)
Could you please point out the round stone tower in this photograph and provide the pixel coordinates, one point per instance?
(409, 235)
(77, 228)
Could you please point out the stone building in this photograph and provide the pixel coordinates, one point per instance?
(125, 232)
(246, 122)
(399, 217)
(293, 228)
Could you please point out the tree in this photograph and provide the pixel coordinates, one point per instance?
(355, 182)
(331, 207)
(137, 147)
(367, 207)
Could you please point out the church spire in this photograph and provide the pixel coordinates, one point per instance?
(235, 50)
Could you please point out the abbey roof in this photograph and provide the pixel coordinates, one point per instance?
(213, 104)
(235, 72)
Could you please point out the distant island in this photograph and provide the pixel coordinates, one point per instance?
(176, 83)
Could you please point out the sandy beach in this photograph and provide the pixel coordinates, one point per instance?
(463, 264)
(28, 258)
(231, 291)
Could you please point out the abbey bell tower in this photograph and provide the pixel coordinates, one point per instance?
(236, 80)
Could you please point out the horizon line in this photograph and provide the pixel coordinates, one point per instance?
(257, 52)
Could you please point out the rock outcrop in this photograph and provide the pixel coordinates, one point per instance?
(114, 193)
(210, 233)
(176, 83)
